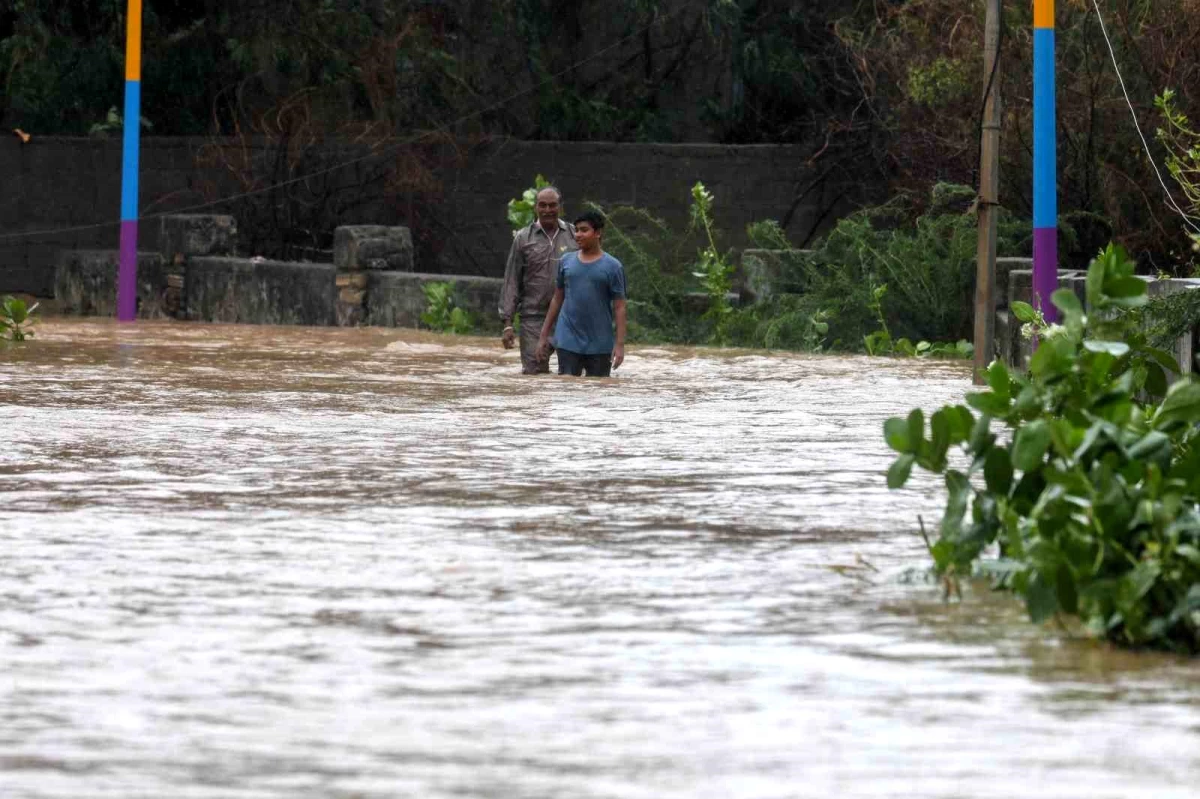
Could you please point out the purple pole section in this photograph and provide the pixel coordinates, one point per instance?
(127, 273)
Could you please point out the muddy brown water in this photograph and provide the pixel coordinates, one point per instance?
(291, 562)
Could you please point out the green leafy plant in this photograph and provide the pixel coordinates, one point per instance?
(113, 122)
(880, 342)
(16, 317)
(441, 313)
(785, 321)
(766, 234)
(1089, 508)
(522, 211)
(713, 268)
(1183, 152)
(926, 260)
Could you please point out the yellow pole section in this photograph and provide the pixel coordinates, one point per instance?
(133, 41)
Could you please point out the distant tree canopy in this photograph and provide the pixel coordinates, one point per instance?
(627, 70)
(884, 91)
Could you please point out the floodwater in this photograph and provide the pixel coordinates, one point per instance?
(251, 562)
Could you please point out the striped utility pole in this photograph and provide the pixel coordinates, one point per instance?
(1045, 164)
(127, 272)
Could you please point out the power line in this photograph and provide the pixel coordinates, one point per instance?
(404, 142)
(1145, 145)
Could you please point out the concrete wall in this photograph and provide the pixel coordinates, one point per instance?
(64, 193)
(1014, 283)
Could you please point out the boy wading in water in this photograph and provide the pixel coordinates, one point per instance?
(590, 295)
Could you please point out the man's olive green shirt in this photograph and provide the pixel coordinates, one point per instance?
(532, 268)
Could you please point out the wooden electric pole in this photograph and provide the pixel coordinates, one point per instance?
(989, 189)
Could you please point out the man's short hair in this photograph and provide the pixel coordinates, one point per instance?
(554, 189)
(593, 218)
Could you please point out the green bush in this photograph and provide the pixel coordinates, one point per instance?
(16, 318)
(441, 312)
(1089, 509)
(926, 262)
(522, 211)
(881, 280)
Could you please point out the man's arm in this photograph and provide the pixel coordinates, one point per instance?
(510, 294)
(619, 349)
(543, 349)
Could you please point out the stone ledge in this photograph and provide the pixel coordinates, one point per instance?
(85, 284)
(395, 299)
(373, 247)
(264, 292)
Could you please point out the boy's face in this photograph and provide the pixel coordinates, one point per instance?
(586, 236)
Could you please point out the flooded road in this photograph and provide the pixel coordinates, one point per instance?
(252, 562)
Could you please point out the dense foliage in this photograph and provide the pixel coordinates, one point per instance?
(884, 95)
(1091, 506)
(888, 280)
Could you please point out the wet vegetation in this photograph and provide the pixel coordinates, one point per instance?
(442, 312)
(892, 280)
(16, 318)
(1088, 505)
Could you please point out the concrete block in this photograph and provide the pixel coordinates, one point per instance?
(1004, 336)
(373, 247)
(85, 284)
(1020, 287)
(185, 235)
(396, 299)
(253, 291)
(1005, 266)
(768, 272)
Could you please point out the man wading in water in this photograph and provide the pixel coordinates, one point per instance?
(590, 295)
(529, 278)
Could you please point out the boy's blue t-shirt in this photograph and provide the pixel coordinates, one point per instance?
(585, 321)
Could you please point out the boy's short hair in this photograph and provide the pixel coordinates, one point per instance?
(593, 218)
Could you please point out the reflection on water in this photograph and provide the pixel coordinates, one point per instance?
(295, 562)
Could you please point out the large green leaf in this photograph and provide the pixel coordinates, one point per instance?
(998, 380)
(900, 470)
(1050, 359)
(989, 403)
(1066, 301)
(895, 432)
(1023, 311)
(959, 494)
(916, 429)
(1125, 287)
(939, 442)
(1182, 404)
(1041, 599)
(1030, 445)
(998, 471)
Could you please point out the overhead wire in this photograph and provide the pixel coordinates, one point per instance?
(1187, 218)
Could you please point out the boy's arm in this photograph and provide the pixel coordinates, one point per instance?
(619, 349)
(548, 326)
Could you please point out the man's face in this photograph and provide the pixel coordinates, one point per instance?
(547, 207)
(585, 235)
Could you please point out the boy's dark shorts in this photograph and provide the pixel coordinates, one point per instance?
(574, 363)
